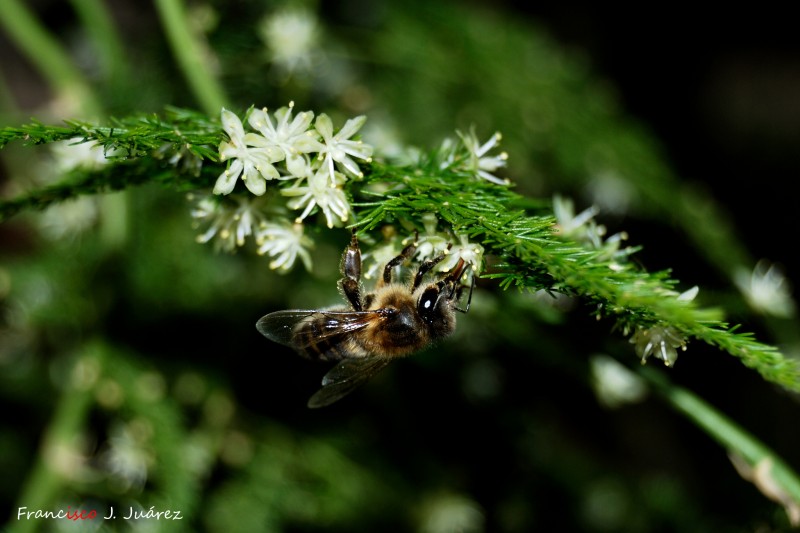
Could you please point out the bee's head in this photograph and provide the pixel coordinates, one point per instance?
(437, 302)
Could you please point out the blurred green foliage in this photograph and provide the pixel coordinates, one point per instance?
(134, 377)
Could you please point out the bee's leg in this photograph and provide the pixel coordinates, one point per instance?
(407, 253)
(426, 267)
(453, 280)
(351, 272)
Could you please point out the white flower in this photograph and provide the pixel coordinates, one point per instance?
(581, 228)
(69, 218)
(478, 160)
(766, 289)
(431, 245)
(377, 258)
(74, 153)
(470, 252)
(291, 36)
(613, 383)
(689, 294)
(451, 512)
(611, 191)
(290, 137)
(285, 242)
(252, 156)
(658, 341)
(338, 148)
(320, 191)
(128, 455)
(229, 221)
(570, 225)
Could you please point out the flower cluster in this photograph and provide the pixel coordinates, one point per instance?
(230, 221)
(284, 150)
(310, 162)
(307, 160)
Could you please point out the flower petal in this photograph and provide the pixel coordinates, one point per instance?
(227, 180)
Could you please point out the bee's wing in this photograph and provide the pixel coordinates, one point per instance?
(345, 377)
(280, 326)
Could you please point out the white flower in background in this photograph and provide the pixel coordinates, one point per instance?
(252, 156)
(570, 225)
(479, 162)
(291, 36)
(582, 229)
(611, 191)
(320, 191)
(228, 221)
(290, 136)
(450, 513)
(69, 218)
(339, 148)
(73, 153)
(285, 242)
(766, 289)
(73, 216)
(614, 384)
(659, 341)
(128, 455)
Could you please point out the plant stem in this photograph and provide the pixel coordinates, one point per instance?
(724, 430)
(191, 55)
(99, 25)
(48, 56)
(47, 476)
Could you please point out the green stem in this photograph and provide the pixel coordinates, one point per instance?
(40, 490)
(48, 56)
(724, 430)
(192, 59)
(99, 25)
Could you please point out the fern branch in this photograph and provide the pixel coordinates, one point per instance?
(533, 257)
(521, 233)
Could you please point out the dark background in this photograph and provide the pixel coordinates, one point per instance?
(720, 91)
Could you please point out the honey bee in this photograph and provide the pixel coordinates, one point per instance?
(394, 320)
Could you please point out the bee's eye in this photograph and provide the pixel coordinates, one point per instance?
(427, 302)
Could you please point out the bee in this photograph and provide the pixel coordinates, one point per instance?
(395, 320)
